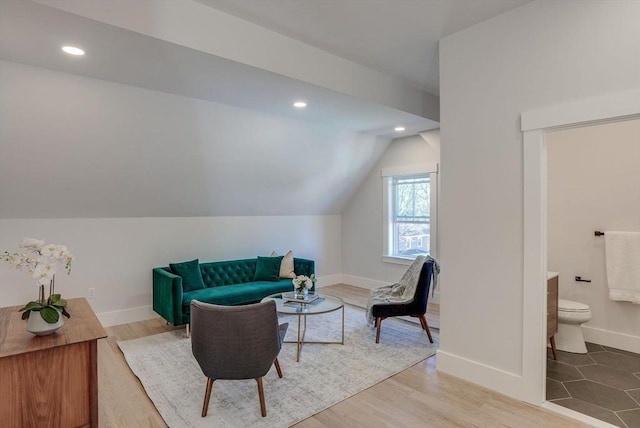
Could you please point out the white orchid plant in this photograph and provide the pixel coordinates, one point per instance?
(302, 282)
(41, 263)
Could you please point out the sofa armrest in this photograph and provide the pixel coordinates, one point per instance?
(167, 295)
(304, 267)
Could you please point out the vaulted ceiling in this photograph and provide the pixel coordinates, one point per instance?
(399, 38)
(183, 108)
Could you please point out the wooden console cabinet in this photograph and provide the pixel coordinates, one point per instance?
(50, 381)
(552, 312)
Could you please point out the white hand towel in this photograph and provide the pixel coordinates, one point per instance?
(622, 253)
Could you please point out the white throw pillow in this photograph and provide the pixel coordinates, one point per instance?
(286, 267)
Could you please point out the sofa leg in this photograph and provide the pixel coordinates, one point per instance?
(187, 331)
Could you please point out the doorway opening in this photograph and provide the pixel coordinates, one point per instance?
(534, 125)
(593, 175)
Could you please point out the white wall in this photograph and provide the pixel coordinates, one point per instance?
(541, 54)
(130, 179)
(594, 184)
(115, 256)
(72, 146)
(362, 240)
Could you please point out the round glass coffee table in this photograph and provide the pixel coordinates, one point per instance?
(323, 304)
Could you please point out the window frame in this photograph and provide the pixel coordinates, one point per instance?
(388, 174)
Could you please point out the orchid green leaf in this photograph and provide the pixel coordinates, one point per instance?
(50, 315)
(31, 305)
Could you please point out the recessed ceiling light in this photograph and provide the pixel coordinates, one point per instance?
(299, 104)
(399, 128)
(72, 50)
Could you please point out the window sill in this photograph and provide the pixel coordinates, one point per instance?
(398, 260)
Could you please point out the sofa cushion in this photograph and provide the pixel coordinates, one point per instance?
(286, 267)
(215, 274)
(268, 269)
(190, 273)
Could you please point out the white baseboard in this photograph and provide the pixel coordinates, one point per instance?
(361, 282)
(626, 342)
(124, 316)
(507, 383)
(370, 284)
(142, 313)
(326, 280)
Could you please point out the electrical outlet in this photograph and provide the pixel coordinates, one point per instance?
(92, 293)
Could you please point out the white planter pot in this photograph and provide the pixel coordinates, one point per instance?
(39, 327)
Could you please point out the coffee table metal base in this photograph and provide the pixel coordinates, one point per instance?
(321, 305)
(302, 329)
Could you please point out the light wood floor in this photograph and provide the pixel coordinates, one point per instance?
(416, 397)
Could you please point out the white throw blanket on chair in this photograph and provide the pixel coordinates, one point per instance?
(622, 253)
(400, 292)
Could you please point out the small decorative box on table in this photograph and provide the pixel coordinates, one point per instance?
(299, 298)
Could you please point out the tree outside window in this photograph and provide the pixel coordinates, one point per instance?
(410, 215)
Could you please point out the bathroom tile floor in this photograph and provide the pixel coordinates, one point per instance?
(604, 383)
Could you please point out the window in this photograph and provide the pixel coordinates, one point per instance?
(409, 199)
(410, 215)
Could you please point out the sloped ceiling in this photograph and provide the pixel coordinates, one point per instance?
(190, 49)
(180, 109)
(399, 38)
(78, 147)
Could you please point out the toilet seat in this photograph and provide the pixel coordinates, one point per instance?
(571, 306)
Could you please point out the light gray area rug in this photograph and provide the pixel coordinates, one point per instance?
(325, 375)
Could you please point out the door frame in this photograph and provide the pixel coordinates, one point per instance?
(534, 125)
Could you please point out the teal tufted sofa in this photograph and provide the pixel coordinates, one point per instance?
(226, 283)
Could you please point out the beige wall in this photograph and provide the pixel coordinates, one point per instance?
(594, 184)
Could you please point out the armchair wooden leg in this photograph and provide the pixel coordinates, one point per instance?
(207, 395)
(187, 330)
(263, 406)
(425, 326)
(552, 339)
(378, 325)
(277, 364)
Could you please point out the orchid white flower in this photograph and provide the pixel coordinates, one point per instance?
(43, 273)
(35, 244)
(48, 265)
(41, 263)
(39, 260)
(48, 250)
(61, 252)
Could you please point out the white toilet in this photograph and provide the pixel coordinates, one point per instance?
(571, 316)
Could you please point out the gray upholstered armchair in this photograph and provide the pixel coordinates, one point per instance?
(236, 342)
